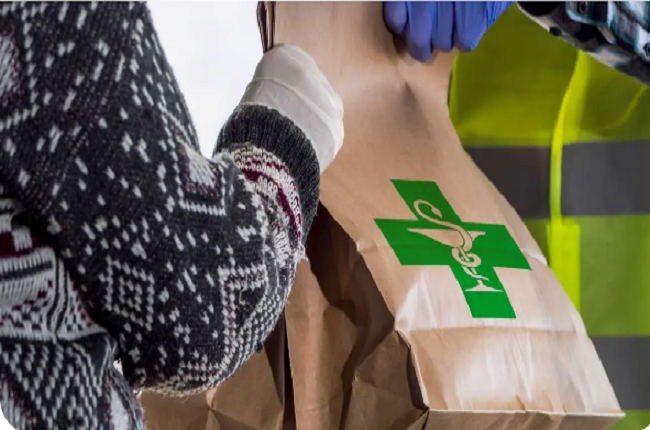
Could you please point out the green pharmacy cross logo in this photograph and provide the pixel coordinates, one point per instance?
(438, 237)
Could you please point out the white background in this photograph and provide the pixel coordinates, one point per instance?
(213, 48)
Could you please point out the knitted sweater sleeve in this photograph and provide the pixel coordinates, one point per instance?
(187, 262)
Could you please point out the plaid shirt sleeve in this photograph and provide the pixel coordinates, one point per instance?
(615, 33)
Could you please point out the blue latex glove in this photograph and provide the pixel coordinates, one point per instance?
(441, 25)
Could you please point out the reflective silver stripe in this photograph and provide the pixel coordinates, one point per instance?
(521, 174)
(599, 178)
(606, 178)
(627, 363)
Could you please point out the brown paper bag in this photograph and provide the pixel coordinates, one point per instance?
(256, 398)
(427, 304)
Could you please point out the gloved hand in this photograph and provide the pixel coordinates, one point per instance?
(288, 80)
(441, 25)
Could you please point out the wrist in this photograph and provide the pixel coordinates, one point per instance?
(276, 137)
(288, 80)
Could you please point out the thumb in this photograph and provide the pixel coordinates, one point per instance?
(418, 31)
(395, 16)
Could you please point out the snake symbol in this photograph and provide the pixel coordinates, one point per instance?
(461, 252)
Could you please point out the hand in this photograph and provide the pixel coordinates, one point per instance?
(288, 80)
(441, 25)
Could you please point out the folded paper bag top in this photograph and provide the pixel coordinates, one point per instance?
(426, 303)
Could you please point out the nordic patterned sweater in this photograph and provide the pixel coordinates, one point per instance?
(117, 238)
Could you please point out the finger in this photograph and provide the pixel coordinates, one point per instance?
(442, 15)
(495, 9)
(474, 21)
(418, 31)
(471, 24)
(395, 16)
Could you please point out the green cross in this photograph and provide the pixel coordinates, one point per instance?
(438, 237)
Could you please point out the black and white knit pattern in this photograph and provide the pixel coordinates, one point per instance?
(616, 33)
(177, 265)
(55, 362)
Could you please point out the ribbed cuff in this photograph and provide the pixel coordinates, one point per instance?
(268, 129)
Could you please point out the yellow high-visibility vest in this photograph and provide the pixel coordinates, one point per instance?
(567, 141)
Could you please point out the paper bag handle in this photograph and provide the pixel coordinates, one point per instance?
(266, 23)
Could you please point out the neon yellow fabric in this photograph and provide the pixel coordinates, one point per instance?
(634, 420)
(524, 88)
(535, 90)
(513, 123)
(564, 249)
